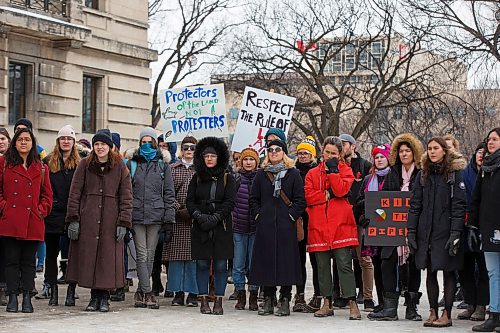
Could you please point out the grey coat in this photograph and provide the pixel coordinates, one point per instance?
(153, 190)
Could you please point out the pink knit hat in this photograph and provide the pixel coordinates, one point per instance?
(382, 149)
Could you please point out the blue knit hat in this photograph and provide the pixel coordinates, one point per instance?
(276, 131)
(116, 139)
(103, 135)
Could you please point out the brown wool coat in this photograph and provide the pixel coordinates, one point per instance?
(100, 201)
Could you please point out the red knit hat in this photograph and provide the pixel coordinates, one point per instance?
(382, 149)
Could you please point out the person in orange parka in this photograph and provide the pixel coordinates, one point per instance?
(332, 228)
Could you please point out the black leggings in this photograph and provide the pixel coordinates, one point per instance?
(285, 291)
(450, 286)
(475, 283)
(377, 273)
(52, 243)
(393, 274)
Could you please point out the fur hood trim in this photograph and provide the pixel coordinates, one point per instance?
(457, 161)
(222, 158)
(415, 145)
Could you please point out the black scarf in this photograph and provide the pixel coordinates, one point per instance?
(491, 162)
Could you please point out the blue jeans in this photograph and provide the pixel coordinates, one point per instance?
(493, 266)
(243, 248)
(220, 274)
(182, 276)
(40, 254)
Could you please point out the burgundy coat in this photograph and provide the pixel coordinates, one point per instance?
(23, 201)
(100, 201)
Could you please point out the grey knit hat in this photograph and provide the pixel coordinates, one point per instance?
(148, 131)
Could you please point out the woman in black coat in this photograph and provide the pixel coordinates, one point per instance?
(435, 223)
(210, 201)
(62, 163)
(275, 259)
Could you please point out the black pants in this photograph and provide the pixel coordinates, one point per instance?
(52, 245)
(377, 274)
(393, 274)
(20, 262)
(474, 279)
(303, 259)
(450, 287)
(285, 291)
(2, 265)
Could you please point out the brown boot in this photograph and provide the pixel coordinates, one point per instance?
(299, 303)
(326, 310)
(444, 321)
(218, 310)
(479, 314)
(139, 300)
(152, 302)
(313, 306)
(354, 313)
(465, 315)
(204, 307)
(252, 300)
(432, 318)
(242, 300)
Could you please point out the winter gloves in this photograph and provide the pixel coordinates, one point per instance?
(206, 222)
(473, 240)
(182, 214)
(166, 233)
(120, 233)
(412, 241)
(453, 243)
(333, 165)
(363, 221)
(73, 230)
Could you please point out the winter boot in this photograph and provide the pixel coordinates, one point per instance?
(104, 301)
(242, 300)
(54, 295)
(313, 305)
(152, 302)
(118, 295)
(234, 295)
(204, 307)
(178, 299)
(139, 300)
(432, 318)
(268, 308)
(444, 321)
(283, 307)
(390, 310)
(45, 293)
(299, 303)
(94, 301)
(479, 314)
(26, 306)
(465, 315)
(340, 303)
(70, 295)
(3, 298)
(12, 305)
(412, 299)
(64, 265)
(326, 310)
(354, 313)
(192, 300)
(218, 310)
(489, 325)
(252, 300)
(368, 305)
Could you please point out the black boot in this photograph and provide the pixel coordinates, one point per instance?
(64, 265)
(118, 295)
(54, 295)
(104, 301)
(283, 307)
(70, 295)
(178, 299)
(390, 310)
(12, 305)
(3, 298)
(268, 307)
(94, 301)
(412, 299)
(27, 307)
(489, 325)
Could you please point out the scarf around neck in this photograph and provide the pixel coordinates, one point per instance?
(278, 170)
(406, 175)
(373, 185)
(491, 162)
(147, 151)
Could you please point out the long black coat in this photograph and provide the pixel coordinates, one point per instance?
(275, 259)
(434, 214)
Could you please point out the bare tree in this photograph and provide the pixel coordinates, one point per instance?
(189, 48)
(345, 61)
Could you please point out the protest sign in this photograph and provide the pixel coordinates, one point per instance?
(261, 110)
(198, 111)
(388, 214)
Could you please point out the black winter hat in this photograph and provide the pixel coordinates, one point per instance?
(103, 135)
(24, 121)
(278, 143)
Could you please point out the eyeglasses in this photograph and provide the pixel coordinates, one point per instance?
(303, 153)
(209, 156)
(23, 139)
(274, 150)
(65, 138)
(189, 147)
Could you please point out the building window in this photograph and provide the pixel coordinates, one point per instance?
(92, 4)
(89, 104)
(17, 91)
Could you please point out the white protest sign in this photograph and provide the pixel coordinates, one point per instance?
(261, 110)
(198, 111)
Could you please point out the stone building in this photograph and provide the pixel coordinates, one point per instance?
(78, 62)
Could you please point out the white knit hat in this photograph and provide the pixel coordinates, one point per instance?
(67, 130)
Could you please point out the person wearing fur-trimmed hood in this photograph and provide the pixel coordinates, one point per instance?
(210, 201)
(435, 223)
(153, 214)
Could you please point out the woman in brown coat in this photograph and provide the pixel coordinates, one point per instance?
(99, 211)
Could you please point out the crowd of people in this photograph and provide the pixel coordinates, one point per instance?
(195, 212)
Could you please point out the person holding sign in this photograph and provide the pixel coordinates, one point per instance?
(435, 224)
(276, 203)
(332, 228)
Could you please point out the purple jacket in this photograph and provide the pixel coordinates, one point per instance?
(242, 222)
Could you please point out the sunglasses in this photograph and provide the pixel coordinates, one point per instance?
(188, 147)
(274, 150)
